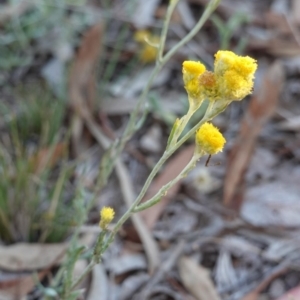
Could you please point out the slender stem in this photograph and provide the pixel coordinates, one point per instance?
(130, 126)
(157, 167)
(98, 250)
(206, 14)
(87, 270)
(142, 193)
(164, 32)
(162, 192)
(209, 115)
(168, 153)
(183, 122)
(134, 207)
(208, 11)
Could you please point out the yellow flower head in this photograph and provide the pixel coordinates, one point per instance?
(234, 74)
(141, 35)
(147, 54)
(191, 71)
(149, 45)
(106, 216)
(210, 139)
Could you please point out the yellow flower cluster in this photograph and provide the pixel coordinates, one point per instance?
(149, 45)
(232, 78)
(106, 216)
(209, 139)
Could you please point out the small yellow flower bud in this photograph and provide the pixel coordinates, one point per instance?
(210, 139)
(149, 45)
(191, 70)
(141, 35)
(106, 216)
(147, 54)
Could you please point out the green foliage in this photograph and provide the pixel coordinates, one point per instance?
(39, 114)
(227, 29)
(33, 203)
(44, 27)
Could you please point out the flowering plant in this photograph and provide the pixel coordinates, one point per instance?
(231, 80)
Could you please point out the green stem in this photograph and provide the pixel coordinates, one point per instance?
(162, 192)
(207, 117)
(134, 207)
(164, 32)
(155, 170)
(87, 270)
(183, 122)
(98, 250)
(212, 5)
(130, 126)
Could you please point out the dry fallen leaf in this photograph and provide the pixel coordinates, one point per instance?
(132, 284)
(99, 289)
(261, 108)
(30, 257)
(293, 294)
(19, 287)
(272, 204)
(196, 280)
(292, 123)
(128, 263)
(224, 273)
(82, 85)
(255, 294)
(251, 296)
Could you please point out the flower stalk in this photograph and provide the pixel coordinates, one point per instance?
(217, 87)
(131, 127)
(163, 191)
